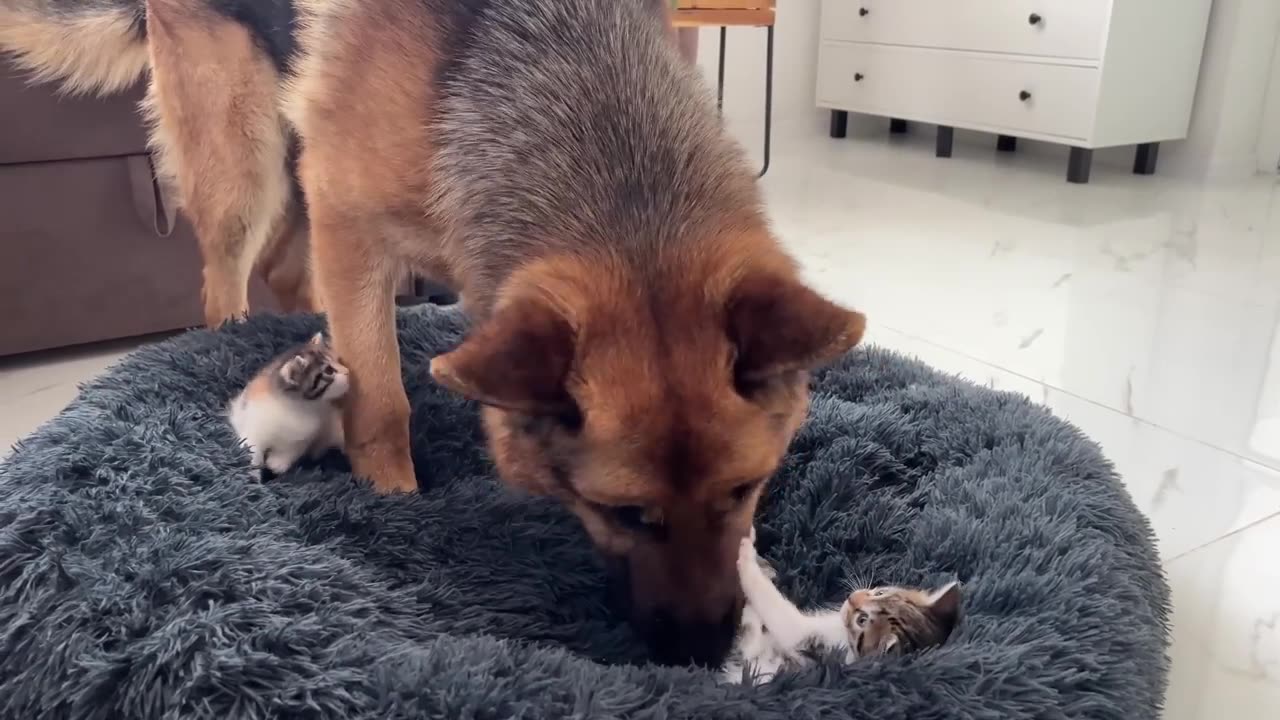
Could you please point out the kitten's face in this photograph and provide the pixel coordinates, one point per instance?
(900, 620)
(314, 373)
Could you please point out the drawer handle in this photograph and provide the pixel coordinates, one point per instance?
(863, 12)
(857, 77)
(1035, 19)
(1024, 96)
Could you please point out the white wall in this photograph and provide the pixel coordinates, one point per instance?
(1234, 76)
(1229, 137)
(1269, 133)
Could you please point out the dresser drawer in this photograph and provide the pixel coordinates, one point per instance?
(1063, 28)
(960, 89)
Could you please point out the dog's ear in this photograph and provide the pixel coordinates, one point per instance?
(516, 360)
(779, 325)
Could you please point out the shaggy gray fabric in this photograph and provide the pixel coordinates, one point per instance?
(146, 573)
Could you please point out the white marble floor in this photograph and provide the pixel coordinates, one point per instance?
(1143, 309)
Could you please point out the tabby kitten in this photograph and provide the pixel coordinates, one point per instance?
(775, 635)
(291, 408)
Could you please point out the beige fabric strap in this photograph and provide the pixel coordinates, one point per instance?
(149, 196)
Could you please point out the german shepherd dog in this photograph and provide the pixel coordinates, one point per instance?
(641, 342)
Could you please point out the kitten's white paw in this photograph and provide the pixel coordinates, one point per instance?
(256, 457)
(279, 463)
(746, 554)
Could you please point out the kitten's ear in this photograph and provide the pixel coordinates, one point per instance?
(779, 325)
(317, 339)
(944, 604)
(294, 371)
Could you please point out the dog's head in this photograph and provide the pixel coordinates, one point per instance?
(656, 415)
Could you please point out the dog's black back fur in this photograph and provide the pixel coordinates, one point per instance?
(272, 22)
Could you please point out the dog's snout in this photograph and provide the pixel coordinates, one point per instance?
(675, 636)
(676, 642)
(619, 584)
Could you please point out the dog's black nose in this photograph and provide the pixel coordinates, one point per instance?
(618, 587)
(673, 642)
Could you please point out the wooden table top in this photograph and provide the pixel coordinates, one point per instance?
(716, 13)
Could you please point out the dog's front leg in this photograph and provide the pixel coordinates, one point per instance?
(357, 277)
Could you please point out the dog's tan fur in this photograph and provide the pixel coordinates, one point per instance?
(95, 53)
(221, 140)
(285, 262)
(647, 367)
(359, 101)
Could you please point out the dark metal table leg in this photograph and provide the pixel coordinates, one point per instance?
(946, 137)
(839, 123)
(1006, 143)
(724, 34)
(897, 126)
(1144, 159)
(768, 98)
(1079, 165)
(768, 92)
(427, 292)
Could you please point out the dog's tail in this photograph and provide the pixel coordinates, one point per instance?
(88, 46)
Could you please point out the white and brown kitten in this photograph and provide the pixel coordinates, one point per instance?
(775, 635)
(291, 408)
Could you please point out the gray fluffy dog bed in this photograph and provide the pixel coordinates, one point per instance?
(145, 572)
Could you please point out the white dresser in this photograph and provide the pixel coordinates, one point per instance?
(1084, 73)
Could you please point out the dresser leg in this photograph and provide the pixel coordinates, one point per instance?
(839, 123)
(946, 135)
(1006, 143)
(1144, 160)
(897, 126)
(1079, 165)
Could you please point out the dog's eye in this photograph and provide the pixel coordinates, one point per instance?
(629, 516)
(635, 518)
(743, 491)
(567, 419)
(570, 419)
